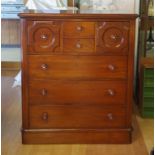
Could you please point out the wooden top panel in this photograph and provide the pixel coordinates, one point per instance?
(74, 14)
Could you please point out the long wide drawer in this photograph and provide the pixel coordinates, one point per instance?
(77, 92)
(77, 67)
(76, 117)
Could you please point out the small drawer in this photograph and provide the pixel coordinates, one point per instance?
(55, 92)
(78, 45)
(79, 29)
(77, 67)
(76, 117)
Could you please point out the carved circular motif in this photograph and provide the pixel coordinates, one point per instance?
(113, 38)
(43, 36)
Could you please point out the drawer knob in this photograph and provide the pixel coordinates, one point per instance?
(44, 92)
(110, 116)
(79, 28)
(111, 92)
(43, 37)
(78, 45)
(45, 116)
(115, 37)
(111, 67)
(44, 66)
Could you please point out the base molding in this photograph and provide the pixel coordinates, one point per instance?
(77, 136)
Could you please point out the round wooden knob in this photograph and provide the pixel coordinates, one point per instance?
(111, 92)
(79, 28)
(45, 116)
(111, 67)
(43, 37)
(78, 45)
(115, 37)
(44, 92)
(44, 66)
(110, 116)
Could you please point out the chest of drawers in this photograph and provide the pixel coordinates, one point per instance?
(77, 77)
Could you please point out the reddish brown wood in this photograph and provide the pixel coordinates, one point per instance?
(43, 37)
(130, 73)
(112, 37)
(77, 77)
(76, 46)
(71, 15)
(79, 29)
(76, 136)
(24, 65)
(73, 117)
(77, 67)
(77, 92)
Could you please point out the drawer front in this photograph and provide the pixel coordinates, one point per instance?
(112, 37)
(79, 29)
(43, 37)
(77, 92)
(77, 67)
(76, 117)
(78, 45)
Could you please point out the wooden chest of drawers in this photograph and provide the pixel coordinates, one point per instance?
(77, 77)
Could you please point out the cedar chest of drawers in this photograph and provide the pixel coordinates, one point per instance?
(77, 77)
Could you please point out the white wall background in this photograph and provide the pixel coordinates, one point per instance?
(10, 54)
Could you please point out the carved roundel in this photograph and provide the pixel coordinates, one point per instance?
(113, 37)
(43, 37)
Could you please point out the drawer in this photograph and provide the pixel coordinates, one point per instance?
(78, 45)
(77, 92)
(43, 37)
(76, 117)
(77, 67)
(79, 29)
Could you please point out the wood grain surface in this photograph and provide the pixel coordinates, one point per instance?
(77, 67)
(11, 125)
(53, 92)
(55, 49)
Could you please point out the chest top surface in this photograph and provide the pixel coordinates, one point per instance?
(75, 14)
